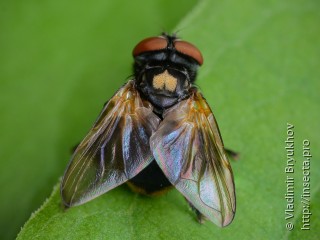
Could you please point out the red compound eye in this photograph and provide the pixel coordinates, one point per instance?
(189, 50)
(150, 44)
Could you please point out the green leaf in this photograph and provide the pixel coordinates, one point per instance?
(60, 61)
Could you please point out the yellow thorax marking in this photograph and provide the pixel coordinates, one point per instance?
(165, 80)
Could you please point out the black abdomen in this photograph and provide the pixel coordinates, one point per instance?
(150, 180)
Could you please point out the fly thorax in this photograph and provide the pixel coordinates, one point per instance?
(164, 87)
(165, 81)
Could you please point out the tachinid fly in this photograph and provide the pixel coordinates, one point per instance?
(157, 131)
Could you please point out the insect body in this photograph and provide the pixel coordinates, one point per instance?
(157, 131)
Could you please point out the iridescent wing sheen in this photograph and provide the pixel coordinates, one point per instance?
(188, 148)
(115, 150)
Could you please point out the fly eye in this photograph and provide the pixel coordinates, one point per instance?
(150, 44)
(189, 50)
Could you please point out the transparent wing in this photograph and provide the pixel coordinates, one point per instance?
(115, 150)
(189, 150)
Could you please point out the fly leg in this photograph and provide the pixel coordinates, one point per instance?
(232, 154)
(200, 217)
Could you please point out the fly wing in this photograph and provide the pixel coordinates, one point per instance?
(115, 150)
(188, 148)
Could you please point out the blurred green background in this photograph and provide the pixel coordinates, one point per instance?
(61, 60)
